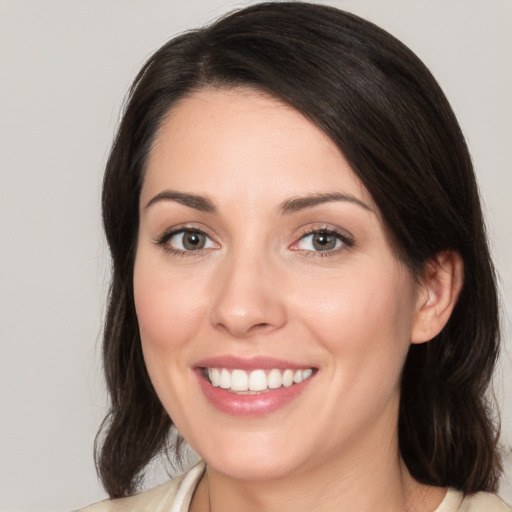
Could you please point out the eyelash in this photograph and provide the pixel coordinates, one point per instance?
(346, 240)
(163, 241)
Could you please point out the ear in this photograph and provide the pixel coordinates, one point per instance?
(437, 296)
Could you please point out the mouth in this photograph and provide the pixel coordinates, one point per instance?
(256, 381)
(252, 387)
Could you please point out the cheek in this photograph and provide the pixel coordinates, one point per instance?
(168, 312)
(365, 329)
(167, 308)
(364, 319)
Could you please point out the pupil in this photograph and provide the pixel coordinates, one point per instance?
(193, 241)
(324, 242)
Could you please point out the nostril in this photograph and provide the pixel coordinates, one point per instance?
(260, 327)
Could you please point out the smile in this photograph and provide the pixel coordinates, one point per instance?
(252, 387)
(255, 381)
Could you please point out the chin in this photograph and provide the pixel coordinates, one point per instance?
(252, 468)
(254, 456)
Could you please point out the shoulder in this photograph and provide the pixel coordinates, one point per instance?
(177, 491)
(145, 501)
(479, 502)
(484, 501)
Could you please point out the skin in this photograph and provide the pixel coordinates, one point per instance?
(261, 288)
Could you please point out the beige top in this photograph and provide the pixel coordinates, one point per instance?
(176, 495)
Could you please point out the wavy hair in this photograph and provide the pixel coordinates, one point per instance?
(383, 109)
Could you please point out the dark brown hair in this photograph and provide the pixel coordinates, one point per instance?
(381, 106)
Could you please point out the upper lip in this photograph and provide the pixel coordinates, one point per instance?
(249, 363)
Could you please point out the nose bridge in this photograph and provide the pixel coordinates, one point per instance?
(246, 300)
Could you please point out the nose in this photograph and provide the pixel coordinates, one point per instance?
(247, 298)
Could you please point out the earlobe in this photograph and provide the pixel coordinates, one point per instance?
(438, 294)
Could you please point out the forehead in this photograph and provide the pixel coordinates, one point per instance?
(225, 141)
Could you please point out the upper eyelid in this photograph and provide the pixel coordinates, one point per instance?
(187, 227)
(324, 228)
(346, 238)
(163, 241)
(304, 231)
(164, 236)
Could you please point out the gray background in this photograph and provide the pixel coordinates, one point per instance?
(65, 66)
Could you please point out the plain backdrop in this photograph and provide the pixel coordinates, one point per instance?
(65, 66)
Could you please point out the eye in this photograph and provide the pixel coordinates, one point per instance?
(322, 240)
(187, 240)
(319, 242)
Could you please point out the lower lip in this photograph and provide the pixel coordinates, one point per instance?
(250, 405)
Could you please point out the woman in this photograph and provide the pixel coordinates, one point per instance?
(301, 280)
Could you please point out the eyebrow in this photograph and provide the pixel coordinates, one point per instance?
(295, 204)
(200, 203)
(302, 203)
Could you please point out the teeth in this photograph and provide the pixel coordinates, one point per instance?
(225, 379)
(307, 373)
(214, 376)
(274, 379)
(239, 381)
(287, 378)
(257, 380)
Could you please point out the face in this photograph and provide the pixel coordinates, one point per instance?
(274, 316)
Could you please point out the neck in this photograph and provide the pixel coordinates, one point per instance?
(369, 476)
